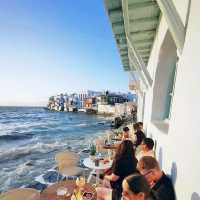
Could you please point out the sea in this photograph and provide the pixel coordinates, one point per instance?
(31, 136)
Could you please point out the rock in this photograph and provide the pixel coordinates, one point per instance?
(30, 163)
(85, 151)
(117, 122)
(52, 176)
(37, 185)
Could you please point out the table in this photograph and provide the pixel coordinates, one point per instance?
(51, 192)
(88, 162)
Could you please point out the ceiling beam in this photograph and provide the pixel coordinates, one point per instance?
(142, 5)
(149, 32)
(147, 41)
(120, 23)
(144, 20)
(115, 10)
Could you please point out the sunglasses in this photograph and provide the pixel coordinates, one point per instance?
(146, 173)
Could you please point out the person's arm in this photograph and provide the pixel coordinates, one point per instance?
(111, 177)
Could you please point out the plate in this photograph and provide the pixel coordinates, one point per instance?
(87, 196)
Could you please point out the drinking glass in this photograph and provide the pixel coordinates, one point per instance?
(82, 182)
(77, 182)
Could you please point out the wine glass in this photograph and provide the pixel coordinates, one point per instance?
(78, 182)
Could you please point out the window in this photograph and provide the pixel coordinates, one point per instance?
(164, 80)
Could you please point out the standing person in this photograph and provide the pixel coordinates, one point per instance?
(124, 164)
(135, 187)
(161, 186)
(139, 134)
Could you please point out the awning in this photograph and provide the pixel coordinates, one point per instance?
(134, 24)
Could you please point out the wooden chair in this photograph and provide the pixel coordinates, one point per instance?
(67, 163)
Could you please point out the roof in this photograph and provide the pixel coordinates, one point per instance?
(143, 19)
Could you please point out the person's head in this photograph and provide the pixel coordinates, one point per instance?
(136, 127)
(147, 144)
(125, 149)
(125, 132)
(135, 187)
(149, 167)
(140, 124)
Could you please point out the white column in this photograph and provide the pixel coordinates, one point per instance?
(174, 22)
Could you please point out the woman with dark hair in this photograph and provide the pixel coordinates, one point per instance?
(124, 164)
(135, 187)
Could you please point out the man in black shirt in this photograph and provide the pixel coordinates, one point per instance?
(161, 186)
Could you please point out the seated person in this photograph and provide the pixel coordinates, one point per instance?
(146, 148)
(139, 134)
(124, 164)
(135, 187)
(161, 186)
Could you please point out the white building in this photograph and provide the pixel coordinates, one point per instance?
(159, 44)
(86, 94)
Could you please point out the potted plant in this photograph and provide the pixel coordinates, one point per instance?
(92, 151)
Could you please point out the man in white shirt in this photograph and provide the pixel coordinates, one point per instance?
(146, 148)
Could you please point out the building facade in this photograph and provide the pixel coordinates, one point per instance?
(158, 42)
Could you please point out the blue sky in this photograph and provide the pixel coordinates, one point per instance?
(49, 46)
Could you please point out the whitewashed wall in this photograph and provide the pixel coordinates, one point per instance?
(106, 109)
(178, 141)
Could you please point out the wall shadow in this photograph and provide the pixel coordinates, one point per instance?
(195, 196)
(160, 157)
(174, 173)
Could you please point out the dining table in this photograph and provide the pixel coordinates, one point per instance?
(51, 192)
(96, 169)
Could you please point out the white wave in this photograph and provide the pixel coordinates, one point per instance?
(81, 125)
(41, 179)
(39, 147)
(22, 169)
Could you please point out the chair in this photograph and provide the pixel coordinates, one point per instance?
(67, 163)
(21, 194)
(68, 169)
(68, 156)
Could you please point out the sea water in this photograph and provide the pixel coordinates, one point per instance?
(30, 138)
